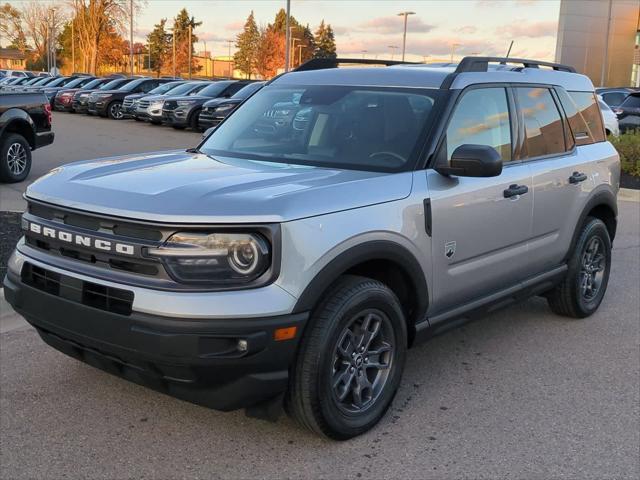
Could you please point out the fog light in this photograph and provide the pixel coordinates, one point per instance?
(243, 346)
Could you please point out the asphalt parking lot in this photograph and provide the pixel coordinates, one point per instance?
(521, 393)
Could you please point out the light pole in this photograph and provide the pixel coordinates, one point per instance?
(287, 39)
(52, 42)
(404, 35)
(453, 49)
(73, 47)
(300, 47)
(293, 48)
(131, 34)
(363, 52)
(229, 42)
(173, 35)
(393, 49)
(190, 46)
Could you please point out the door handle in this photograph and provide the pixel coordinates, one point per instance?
(577, 177)
(514, 190)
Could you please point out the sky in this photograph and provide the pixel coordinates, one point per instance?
(483, 27)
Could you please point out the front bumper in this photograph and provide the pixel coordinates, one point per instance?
(195, 359)
(178, 117)
(97, 108)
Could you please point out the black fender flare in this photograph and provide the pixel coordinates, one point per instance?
(358, 254)
(602, 195)
(15, 116)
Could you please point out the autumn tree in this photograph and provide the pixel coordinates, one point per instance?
(247, 44)
(181, 24)
(37, 20)
(325, 42)
(270, 53)
(11, 27)
(160, 46)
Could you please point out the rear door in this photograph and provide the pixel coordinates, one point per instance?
(480, 232)
(560, 129)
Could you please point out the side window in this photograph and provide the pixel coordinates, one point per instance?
(543, 128)
(584, 116)
(148, 86)
(233, 88)
(482, 118)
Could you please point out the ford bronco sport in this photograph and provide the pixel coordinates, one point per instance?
(336, 218)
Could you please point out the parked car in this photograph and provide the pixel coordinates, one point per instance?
(16, 73)
(63, 100)
(52, 90)
(29, 82)
(610, 119)
(217, 109)
(38, 82)
(259, 270)
(80, 102)
(108, 103)
(14, 82)
(130, 102)
(149, 108)
(629, 113)
(25, 124)
(183, 111)
(614, 96)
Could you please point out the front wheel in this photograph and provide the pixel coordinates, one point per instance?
(114, 111)
(15, 158)
(582, 290)
(350, 361)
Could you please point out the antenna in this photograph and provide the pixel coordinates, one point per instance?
(509, 51)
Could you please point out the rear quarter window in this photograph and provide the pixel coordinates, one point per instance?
(585, 118)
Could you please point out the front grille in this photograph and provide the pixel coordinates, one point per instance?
(105, 298)
(143, 104)
(170, 105)
(128, 102)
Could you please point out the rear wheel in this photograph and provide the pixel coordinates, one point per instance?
(193, 121)
(582, 290)
(114, 111)
(350, 361)
(15, 158)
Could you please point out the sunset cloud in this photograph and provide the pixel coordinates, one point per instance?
(522, 28)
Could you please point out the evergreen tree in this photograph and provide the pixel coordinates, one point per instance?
(160, 46)
(247, 43)
(325, 42)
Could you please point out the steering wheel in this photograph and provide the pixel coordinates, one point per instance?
(389, 154)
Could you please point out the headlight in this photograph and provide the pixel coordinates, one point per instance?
(223, 108)
(184, 103)
(214, 258)
(156, 105)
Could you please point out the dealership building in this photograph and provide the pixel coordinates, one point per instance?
(601, 39)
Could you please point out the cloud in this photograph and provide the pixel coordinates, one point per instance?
(390, 25)
(467, 30)
(522, 28)
(234, 26)
(439, 46)
(210, 37)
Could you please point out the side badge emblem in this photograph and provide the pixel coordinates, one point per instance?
(449, 249)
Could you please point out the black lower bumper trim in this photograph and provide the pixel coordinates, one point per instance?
(197, 360)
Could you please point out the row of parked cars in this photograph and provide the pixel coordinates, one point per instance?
(624, 104)
(195, 104)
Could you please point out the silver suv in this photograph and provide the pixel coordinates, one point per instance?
(339, 216)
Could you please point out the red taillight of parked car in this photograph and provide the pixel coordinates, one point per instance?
(47, 111)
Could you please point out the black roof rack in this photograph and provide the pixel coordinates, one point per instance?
(481, 64)
(322, 63)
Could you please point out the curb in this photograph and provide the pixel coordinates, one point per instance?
(629, 195)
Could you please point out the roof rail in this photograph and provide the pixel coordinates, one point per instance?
(322, 63)
(481, 64)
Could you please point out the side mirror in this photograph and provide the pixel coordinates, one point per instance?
(473, 161)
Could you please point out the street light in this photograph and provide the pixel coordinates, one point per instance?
(393, 48)
(453, 49)
(404, 35)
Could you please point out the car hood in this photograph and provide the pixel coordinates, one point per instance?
(214, 102)
(136, 96)
(187, 97)
(111, 92)
(183, 187)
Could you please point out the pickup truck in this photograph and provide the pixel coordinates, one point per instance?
(25, 124)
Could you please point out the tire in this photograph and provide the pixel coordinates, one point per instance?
(179, 127)
(583, 288)
(15, 158)
(326, 354)
(193, 121)
(114, 110)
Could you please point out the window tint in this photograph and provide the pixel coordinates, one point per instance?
(632, 101)
(544, 132)
(584, 116)
(482, 118)
(614, 98)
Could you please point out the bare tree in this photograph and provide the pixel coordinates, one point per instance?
(39, 20)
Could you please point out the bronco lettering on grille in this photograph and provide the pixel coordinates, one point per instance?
(82, 240)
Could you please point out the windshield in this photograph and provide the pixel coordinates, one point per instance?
(197, 88)
(33, 80)
(113, 84)
(58, 82)
(77, 82)
(214, 89)
(182, 89)
(93, 84)
(246, 92)
(165, 87)
(133, 84)
(364, 128)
